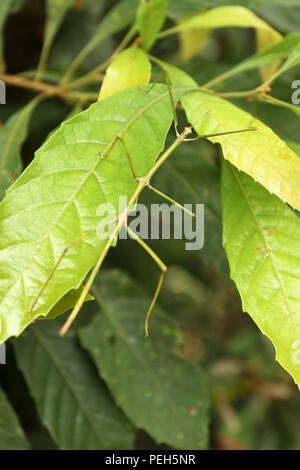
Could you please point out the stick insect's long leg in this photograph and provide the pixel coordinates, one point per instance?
(168, 82)
(169, 199)
(163, 268)
(120, 137)
(206, 136)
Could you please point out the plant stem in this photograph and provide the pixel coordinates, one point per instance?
(48, 88)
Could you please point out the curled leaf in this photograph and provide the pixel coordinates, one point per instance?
(131, 68)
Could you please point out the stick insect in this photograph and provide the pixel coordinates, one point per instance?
(143, 182)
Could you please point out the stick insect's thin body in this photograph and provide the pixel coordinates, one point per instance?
(143, 182)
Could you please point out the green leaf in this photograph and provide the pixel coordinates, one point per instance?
(6, 8)
(12, 436)
(55, 201)
(150, 18)
(131, 68)
(72, 401)
(160, 392)
(265, 57)
(262, 240)
(12, 136)
(191, 42)
(55, 14)
(191, 178)
(292, 60)
(261, 153)
(67, 302)
(118, 18)
(56, 11)
(228, 16)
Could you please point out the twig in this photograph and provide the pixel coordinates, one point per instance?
(48, 88)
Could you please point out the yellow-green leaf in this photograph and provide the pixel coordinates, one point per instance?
(261, 236)
(191, 42)
(264, 39)
(261, 153)
(7, 7)
(130, 68)
(222, 17)
(232, 16)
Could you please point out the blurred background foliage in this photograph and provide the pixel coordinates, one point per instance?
(254, 403)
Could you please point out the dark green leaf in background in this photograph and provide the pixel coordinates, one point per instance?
(6, 8)
(160, 392)
(120, 16)
(11, 435)
(71, 400)
(12, 136)
(55, 13)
